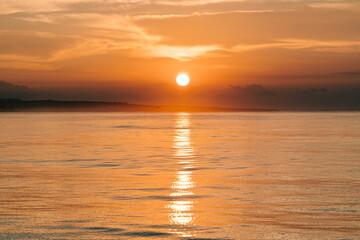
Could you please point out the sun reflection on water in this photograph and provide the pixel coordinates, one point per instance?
(181, 216)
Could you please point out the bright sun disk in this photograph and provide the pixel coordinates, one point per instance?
(182, 79)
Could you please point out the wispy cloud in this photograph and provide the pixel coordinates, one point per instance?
(95, 34)
(296, 44)
(336, 5)
(194, 14)
(195, 2)
(182, 53)
(166, 7)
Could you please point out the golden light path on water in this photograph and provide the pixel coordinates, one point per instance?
(181, 215)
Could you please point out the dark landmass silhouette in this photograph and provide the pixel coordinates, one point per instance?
(18, 105)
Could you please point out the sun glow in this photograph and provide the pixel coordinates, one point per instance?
(182, 79)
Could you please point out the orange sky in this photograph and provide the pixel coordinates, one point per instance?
(137, 47)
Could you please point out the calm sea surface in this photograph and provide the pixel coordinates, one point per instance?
(180, 176)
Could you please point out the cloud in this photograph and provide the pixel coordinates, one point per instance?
(303, 44)
(253, 89)
(166, 6)
(194, 2)
(336, 5)
(9, 90)
(30, 6)
(90, 34)
(354, 74)
(339, 97)
(35, 44)
(311, 91)
(197, 14)
(182, 53)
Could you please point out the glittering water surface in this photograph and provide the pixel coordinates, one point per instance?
(180, 176)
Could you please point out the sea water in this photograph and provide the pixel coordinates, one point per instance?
(278, 175)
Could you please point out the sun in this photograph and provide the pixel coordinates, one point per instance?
(182, 79)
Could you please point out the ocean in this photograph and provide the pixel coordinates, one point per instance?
(263, 175)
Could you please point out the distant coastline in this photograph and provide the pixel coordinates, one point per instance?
(18, 105)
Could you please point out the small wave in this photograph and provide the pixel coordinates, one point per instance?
(79, 160)
(56, 227)
(334, 210)
(146, 189)
(208, 238)
(170, 198)
(125, 126)
(105, 229)
(149, 127)
(74, 221)
(105, 165)
(146, 234)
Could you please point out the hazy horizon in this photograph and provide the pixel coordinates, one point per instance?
(333, 97)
